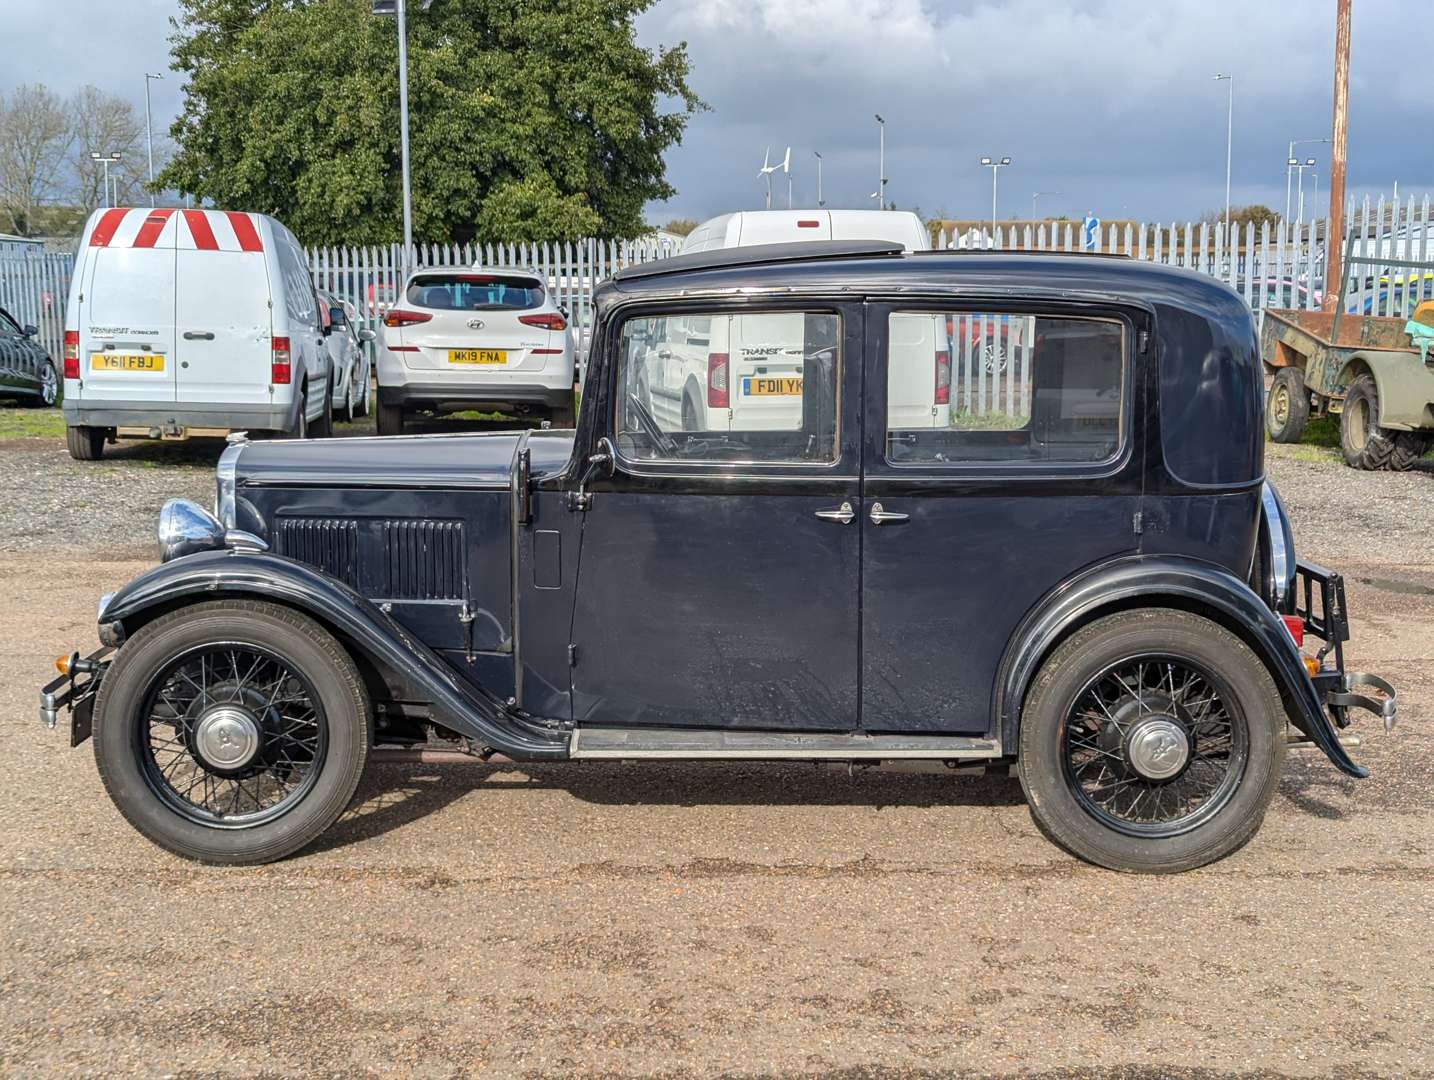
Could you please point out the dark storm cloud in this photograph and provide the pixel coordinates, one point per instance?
(1111, 102)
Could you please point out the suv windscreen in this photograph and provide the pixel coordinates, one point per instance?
(474, 292)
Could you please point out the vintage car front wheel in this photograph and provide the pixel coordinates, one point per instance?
(232, 731)
(1151, 742)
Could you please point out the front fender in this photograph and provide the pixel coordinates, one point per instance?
(454, 702)
(1171, 581)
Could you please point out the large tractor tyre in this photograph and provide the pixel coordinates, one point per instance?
(1287, 406)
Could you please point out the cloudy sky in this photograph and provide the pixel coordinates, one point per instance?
(1111, 103)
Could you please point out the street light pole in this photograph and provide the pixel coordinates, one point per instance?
(881, 164)
(820, 201)
(1229, 144)
(106, 160)
(995, 166)
(1037, 195)
(1291, 161)
(149, 132)
(403, 135)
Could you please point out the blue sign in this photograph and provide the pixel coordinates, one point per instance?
(1090, 232)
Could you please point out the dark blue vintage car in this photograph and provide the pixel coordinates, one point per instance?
(802, 517)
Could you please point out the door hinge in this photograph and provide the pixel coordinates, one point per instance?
(524, 482)
(572, 655)
(1138, 522)
(1142, 342)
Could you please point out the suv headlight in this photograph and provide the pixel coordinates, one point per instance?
(224, 482)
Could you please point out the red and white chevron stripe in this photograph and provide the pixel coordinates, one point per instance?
(188, 230)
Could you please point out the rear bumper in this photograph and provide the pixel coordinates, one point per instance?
(174, 418)
(1320, 603)
(440, 395)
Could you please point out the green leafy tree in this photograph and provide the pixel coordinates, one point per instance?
(529, 119)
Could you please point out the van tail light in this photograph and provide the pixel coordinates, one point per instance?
(1295, 624)
(718, 395)
(943, 378)
(72, 354)
(403, 317)
(548, 320)
(281, 371)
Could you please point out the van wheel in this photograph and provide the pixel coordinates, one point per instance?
(390, 419)
(85, 443)
(1151, 742)
(1287, 406)
(231, 731)
(323, 427)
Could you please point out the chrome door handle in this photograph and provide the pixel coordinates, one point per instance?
(842, 515)
(886, 517)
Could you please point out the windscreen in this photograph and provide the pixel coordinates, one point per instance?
(474, 292)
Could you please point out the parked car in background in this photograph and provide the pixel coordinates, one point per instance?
(1400, 298)
(348, 354)
(26, 370)
(191, 322)
(748, 228)
(1091, 584)
(481, 338)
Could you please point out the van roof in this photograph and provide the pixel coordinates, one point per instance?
(750, 228)
(190, 230)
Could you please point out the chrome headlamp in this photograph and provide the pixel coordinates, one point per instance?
(185, 528)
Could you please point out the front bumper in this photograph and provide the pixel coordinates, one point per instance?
(75, 690)
(1319, 603)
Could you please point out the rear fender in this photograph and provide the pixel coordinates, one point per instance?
(1164, 581)
(370, 634)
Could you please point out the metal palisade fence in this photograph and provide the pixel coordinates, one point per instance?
(1272, 266)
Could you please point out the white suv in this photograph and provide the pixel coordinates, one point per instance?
(480, 338)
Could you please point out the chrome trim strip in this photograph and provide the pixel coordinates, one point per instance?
(1280, 567)
(676, 744)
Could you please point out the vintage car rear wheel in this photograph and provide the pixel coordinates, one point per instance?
(1151, 742)
(232, 731)
(1287, 408)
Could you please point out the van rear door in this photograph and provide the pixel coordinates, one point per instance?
(126, 312)
(222, 310)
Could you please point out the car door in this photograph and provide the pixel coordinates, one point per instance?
(969, 522)
(718, 576)
(11, 341)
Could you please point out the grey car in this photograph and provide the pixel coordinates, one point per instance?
(26, 370)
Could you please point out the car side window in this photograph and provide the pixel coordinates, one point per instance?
(757, 387)
(997, 388)
(298, 288)
(8, 326)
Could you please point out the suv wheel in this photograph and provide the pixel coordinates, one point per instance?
(389, 419)
(1287, 406)
(85, 443)
(231, 731)
(1151, 742)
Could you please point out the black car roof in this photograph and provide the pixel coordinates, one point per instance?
(758, 255)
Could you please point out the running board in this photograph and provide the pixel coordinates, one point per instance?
(633, 743)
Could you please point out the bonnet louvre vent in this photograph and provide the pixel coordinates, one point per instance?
(326, 543)
(424, 560)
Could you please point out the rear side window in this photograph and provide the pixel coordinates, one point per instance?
(1003, 388)
(474, 292)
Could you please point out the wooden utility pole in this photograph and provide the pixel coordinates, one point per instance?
(1334, 221)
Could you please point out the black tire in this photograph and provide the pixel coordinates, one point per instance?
(323, 427)
(565, 416)
(1364, 443)
(1287, 406)
(362, 407)
(690, 415)
(1063, 808)
(49, 391)
(121, 726)
(85, 443)
(389, 419)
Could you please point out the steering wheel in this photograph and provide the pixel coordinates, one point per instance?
(664, 442)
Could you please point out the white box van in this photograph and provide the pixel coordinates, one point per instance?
(191, 322)
(744, 372)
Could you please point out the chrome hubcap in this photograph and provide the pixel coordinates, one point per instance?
(227, 738)
(1157, 748)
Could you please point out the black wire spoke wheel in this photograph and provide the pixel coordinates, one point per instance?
(1154, 746)
(231, 735)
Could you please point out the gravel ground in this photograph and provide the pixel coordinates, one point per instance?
(699, 919)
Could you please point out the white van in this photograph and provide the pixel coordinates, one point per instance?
(744, 372)
(191, 322)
